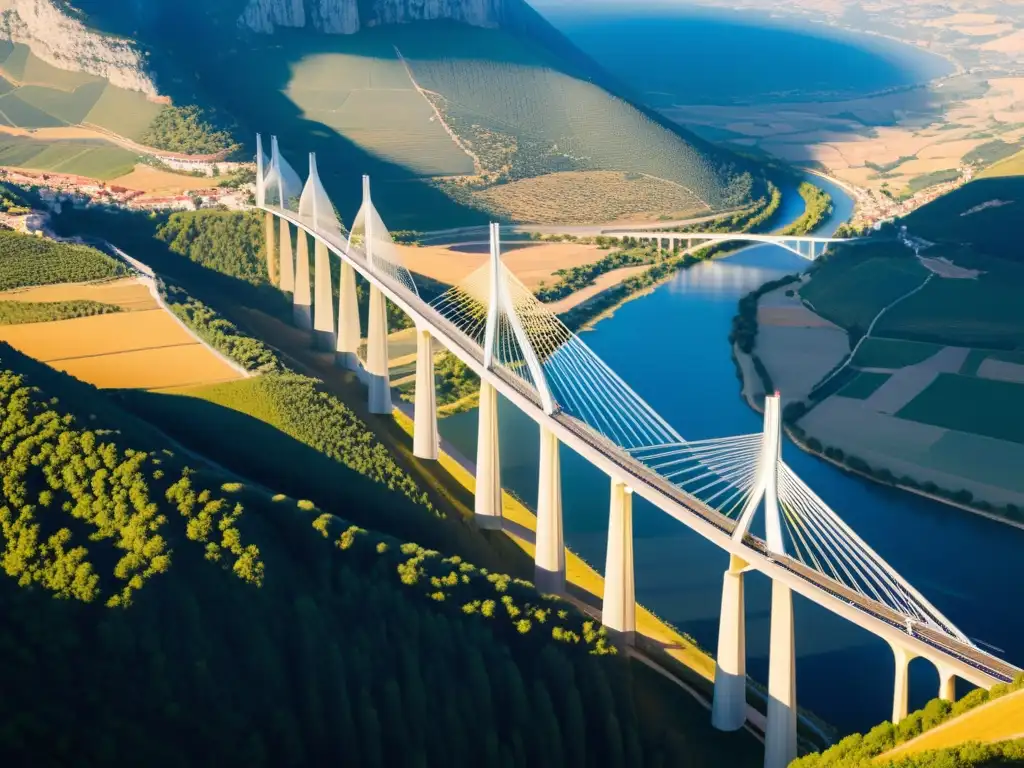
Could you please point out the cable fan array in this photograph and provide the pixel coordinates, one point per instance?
(818, 538)
(579, 382)
(380, 250)
(282, 187)
(720, 472)
(317, 211)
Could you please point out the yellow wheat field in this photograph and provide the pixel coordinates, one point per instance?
(144, 349)
(127, 293)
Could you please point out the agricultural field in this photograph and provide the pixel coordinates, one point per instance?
(596, 196)
(93, 159)
(982, 406)
(365, 95)
(112, 333)
(532, 263)
(853, 286)
(984, 312)
(893, 353)
(35, 94)
(1011, 166)
(864, 385)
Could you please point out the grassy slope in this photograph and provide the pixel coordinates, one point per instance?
(999, 720)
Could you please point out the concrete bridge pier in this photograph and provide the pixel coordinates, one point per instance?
(901, 685)
(425, 434)
(729, 706)
(780, 731)
(323, 299)
(302, 298)
(271, 238)
(377, 354)
(349, 329)
(287, 263)
(947, 684)
(487, 501)
(618, 611)
(689, 243)
(549, 557)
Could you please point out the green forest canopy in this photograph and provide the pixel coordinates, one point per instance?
(206, 622)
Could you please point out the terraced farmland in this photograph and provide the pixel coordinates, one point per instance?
(34, 94)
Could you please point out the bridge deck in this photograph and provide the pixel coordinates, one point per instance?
(643, 475)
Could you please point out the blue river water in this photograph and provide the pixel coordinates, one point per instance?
(672, 347)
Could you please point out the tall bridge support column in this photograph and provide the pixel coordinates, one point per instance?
(302, 298)
(271, 238)
(549, 557)
(487, 502)
(618, 611)
(323, 299)
(901, 684)
(349, 330)
(729, 707)
(377, 354)
(780, 731)
(287, 262)
(947, 684)
(425, 435)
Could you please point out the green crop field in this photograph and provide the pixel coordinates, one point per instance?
(979, 356)
(125, 113)
(893, 353)
(968, 404)
(855, 284)
(864, 385)
(1011, 166)
(34, 94)
(972, 313)
(97, 160)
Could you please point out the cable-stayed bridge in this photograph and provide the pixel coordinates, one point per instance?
(716, 487)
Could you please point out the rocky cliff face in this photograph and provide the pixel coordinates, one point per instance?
(66, 43)
(349, 16)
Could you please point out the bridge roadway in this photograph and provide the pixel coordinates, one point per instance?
(966, 661)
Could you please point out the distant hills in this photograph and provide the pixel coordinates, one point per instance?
(474, 109)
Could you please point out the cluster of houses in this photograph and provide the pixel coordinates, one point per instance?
(58, 188)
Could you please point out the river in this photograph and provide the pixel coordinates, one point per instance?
(671, 346)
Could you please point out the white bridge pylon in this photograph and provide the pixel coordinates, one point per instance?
(722, 488)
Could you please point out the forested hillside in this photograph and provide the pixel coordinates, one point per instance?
(207, 622)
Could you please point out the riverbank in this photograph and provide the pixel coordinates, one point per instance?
(815, 445)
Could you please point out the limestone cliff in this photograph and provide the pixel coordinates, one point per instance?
(66, 43)
(349, 16)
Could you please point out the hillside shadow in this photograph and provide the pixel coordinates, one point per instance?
(198, 54)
